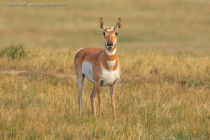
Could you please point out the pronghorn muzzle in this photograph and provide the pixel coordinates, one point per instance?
(109, 43)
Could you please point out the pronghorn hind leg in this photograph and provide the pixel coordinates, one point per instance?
(80, 79)
(92, 99)
(98, 91)
(112, 93)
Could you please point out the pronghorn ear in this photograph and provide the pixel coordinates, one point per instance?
(101, 24)
(118, 25)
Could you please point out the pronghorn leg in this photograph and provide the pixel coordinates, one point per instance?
(112, 91)
(80, 79)
(92, 99)
(98, 91)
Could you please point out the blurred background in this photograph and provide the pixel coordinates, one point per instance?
(170, 26)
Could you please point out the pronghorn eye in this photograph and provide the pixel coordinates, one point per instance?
(116, 33)
(103, 33)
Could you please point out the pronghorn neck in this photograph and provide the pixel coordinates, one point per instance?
(110, 52)
(109, 59)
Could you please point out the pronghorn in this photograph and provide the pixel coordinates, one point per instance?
(99, 66)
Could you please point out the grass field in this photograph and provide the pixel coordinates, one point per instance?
(163, 47)
(167, 25)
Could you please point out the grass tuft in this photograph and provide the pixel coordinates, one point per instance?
(13, 51)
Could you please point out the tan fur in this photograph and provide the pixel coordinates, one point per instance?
(97, 57)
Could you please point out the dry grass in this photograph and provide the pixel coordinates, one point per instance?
(152, 98)
(156, 98)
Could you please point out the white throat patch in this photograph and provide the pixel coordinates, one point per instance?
(110, 53)
(111, 64)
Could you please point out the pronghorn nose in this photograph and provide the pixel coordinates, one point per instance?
(109, 43)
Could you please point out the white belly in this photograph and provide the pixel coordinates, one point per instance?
(87, 71)
(108, 77)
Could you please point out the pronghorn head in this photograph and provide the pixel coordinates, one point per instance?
(110, 34)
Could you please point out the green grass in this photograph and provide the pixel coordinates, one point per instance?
(13, 52)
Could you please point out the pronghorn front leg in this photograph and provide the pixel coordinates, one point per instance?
(92, 99)
(80, 79)
(98, 91)
(112, 91)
